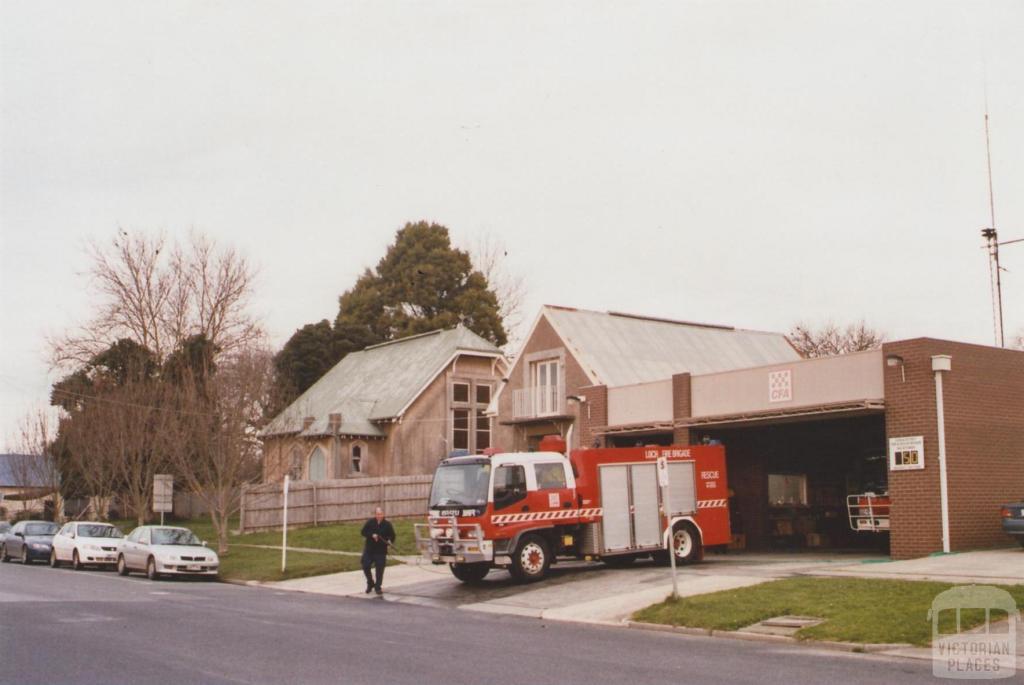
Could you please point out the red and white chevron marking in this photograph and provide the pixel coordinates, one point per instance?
(712, 503)
(554, 515)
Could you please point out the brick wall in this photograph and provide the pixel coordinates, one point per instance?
(984, 412)
(594, 413)
(543, 339)
(681, 407)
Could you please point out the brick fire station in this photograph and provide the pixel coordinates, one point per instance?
(832, 452)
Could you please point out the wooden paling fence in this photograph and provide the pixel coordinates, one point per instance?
(311, 503)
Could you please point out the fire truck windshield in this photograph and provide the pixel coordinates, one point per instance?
(461, 484)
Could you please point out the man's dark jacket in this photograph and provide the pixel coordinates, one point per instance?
(383, 529)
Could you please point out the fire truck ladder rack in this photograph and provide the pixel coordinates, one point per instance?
(869, 513)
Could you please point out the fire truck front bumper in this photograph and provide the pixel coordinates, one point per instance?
(443, 544)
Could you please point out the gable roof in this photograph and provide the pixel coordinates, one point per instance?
(623, 349)
(377, 383)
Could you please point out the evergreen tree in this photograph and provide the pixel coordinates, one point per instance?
(421, 284)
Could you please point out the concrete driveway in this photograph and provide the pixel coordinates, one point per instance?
(575, 591)
(988, 567)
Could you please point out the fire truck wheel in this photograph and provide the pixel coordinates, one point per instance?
(685, 543)
(470, 573)
(531, 559)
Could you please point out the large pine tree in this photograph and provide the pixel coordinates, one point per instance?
(421, 284)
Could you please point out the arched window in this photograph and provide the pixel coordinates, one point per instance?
(317, 465)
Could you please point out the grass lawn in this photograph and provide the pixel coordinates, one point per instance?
(855, 609)
(247, 563)
(340, 537)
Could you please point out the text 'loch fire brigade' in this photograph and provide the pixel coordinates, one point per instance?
(523, 510)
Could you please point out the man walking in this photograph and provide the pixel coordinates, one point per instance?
(378, 532)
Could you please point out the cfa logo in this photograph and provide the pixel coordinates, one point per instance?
(987, 652)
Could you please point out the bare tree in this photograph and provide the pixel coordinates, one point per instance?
(830, 339)
(115, 445)
(1018, 340)
(211, 439)
(33, 466)
(490, 257)
(159, 294)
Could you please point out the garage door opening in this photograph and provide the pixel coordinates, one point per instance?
(791, 483)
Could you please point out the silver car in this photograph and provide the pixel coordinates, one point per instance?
(166, 550)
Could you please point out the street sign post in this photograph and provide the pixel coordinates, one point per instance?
(163, 494)
(663, 482)
(284, 528)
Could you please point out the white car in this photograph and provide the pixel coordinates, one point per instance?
(166, 550)
(86, 543)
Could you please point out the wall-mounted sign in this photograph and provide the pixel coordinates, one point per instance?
(780, 386)
(906, 454)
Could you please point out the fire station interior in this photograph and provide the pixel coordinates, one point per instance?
(789, 481)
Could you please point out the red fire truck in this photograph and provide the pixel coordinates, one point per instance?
(523, 510)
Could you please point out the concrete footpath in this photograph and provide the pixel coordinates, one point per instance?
(597, 594)
(593, 593)
(989, 567)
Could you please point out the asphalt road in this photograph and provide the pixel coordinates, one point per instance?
(62, 626)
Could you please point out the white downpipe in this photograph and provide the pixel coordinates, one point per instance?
(284, 527)
(940, 364)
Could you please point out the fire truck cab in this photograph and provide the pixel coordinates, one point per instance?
(522, 511)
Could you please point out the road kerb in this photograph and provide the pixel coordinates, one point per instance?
(855, 647)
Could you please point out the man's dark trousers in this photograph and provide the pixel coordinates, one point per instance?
(379, 560)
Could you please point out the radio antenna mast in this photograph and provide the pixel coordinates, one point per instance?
(992, 242)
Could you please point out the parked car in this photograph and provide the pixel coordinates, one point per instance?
(83, 543)
(1013, 521)
(166, 550)
(28, 541)
(4, 529)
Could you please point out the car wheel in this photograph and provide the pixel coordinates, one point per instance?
(122, 568)
(3, 554)
(531, 559)
(151, 569)
(54, 562)
(24, 555)
(76, 563)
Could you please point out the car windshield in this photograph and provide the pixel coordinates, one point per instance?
(40, 529)
(174, 536)
(462, 484)
(99, 531)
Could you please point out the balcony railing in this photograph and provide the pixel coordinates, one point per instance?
(538, 401)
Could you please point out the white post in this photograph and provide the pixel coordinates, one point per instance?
(940, 364)
(284, 528)
(663, 481)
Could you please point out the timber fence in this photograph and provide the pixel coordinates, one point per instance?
(312, 503)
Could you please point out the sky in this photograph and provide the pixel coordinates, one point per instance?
(747, 163)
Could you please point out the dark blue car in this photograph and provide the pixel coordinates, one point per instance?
(1013, 521)
(28, 541)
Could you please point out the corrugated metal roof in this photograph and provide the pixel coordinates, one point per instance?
(376, 383)
(19, 467)
(621, 349)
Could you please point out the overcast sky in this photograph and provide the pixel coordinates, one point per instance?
(752, 164)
